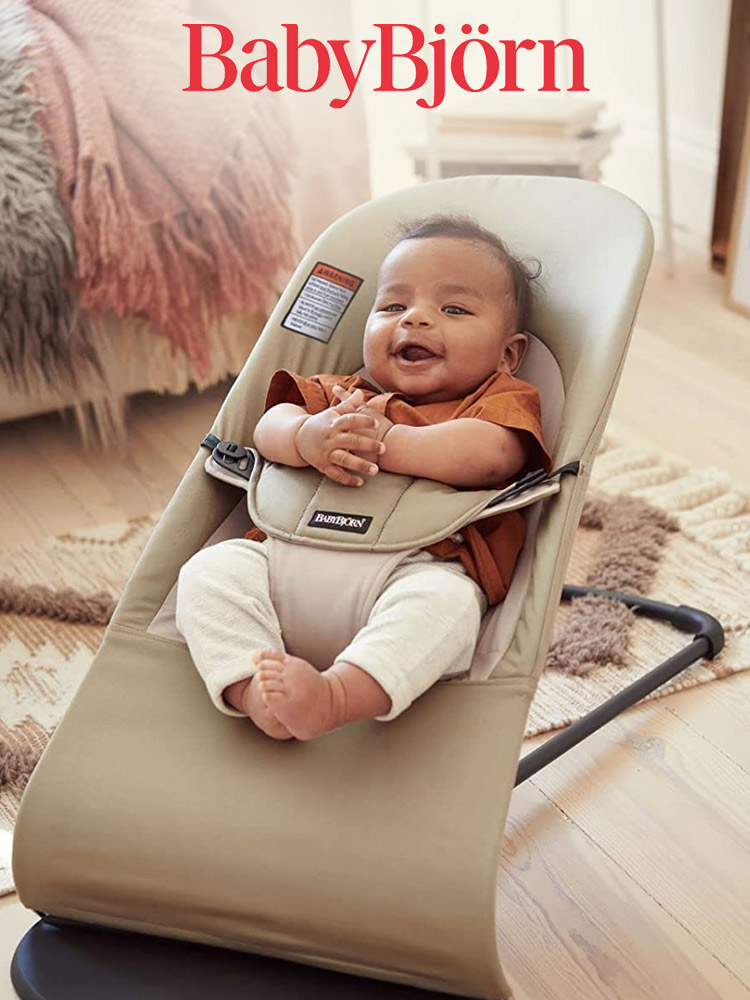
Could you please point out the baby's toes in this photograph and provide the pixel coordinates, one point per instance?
(270, 678)
(269, 654)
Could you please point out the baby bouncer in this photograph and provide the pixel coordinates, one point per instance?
(172, 851)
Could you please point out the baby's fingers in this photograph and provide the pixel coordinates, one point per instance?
(344, 460)
(343, 398)
(344, 407)
(348, 401)
(359, 442)
(362, 421)
(338, 475)
(348, 405)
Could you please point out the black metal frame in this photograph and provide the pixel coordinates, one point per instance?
(708, 640)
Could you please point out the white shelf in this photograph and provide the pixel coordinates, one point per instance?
(578, 157)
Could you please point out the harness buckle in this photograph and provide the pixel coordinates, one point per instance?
(233, 457)
(534, 478)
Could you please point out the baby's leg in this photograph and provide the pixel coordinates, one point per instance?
(425, 622)
(424, 625)
(225, 613)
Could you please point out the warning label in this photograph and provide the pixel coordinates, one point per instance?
(321, 302)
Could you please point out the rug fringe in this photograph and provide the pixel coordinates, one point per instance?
(706, 506)
(65, 605)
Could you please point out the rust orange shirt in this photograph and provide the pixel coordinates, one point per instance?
(490, 547)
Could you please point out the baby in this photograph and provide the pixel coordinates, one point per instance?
(443, 340)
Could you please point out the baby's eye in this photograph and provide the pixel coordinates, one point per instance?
(456, 310)
(392, 307)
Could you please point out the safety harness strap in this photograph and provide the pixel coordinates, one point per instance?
(390, 512)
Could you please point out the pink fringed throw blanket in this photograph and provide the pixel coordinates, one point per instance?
(179, 201)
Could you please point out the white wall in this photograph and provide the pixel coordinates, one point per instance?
(620, 47)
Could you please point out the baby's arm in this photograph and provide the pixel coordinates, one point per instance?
(464, 453)
(275, 433)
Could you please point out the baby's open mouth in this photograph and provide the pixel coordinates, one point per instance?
(415, 352)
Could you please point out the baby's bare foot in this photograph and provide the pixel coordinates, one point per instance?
(258, 713)
(298, 695)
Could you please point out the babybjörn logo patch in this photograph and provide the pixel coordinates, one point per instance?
(358, 523)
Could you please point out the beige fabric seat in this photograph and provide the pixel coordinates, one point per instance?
(374, 849)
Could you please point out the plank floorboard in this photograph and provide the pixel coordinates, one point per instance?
(671, 811)
(573, 923)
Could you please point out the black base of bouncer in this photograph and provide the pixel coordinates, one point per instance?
(64, 960)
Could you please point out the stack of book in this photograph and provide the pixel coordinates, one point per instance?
(519, 134)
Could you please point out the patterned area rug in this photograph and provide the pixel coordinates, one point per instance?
(651, 525)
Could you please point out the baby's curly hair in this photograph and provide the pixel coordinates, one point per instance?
(522, 271)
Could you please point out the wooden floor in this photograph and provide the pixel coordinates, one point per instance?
(625, 874)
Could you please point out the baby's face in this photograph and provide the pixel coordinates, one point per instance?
(450, 297)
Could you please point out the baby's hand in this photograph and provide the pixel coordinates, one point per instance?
(352, 402)
(349, 401)
(334, 443)
(383, 423)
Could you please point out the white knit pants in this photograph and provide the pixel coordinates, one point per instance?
(423, 626)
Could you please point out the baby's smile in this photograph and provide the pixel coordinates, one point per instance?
(413, 357)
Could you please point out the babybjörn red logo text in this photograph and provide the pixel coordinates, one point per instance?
(398, 46)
